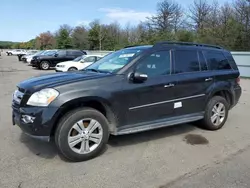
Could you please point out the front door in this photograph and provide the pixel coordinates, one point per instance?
(151, 100)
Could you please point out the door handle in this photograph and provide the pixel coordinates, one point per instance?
(169, 85)
(208, 79)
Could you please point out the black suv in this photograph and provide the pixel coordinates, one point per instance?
(45, 62)
(131, 90)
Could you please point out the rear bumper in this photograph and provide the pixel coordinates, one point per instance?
(237, 95)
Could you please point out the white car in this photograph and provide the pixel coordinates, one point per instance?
(78, 63)
(15, 52)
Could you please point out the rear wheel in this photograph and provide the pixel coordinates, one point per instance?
(216, 113)
(44, 65)
(82, 134)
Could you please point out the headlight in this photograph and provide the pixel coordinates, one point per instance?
(43, 97)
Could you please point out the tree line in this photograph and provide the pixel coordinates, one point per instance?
(227, 25)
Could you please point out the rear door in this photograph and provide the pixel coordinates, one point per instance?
(193, 79)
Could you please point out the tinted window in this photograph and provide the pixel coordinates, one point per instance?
(97, 58)
(155, 64)
(217, 61)
(203, 63)
(61, 53)
(74, 53)
(231, 60)
(186, 61)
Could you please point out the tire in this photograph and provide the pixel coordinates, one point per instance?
(208, 122)
(66, 128)
(72, 69)
(10, 54)
(44, 65)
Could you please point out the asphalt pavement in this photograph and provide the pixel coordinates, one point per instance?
(180, 156)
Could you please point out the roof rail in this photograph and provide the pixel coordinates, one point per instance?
(131, 46)
(186, 44)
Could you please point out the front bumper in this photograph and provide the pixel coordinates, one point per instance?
(34, 63)
(60, 69)
(41, 124)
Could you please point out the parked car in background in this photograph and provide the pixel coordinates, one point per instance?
(45, 62)
(29, 53)
(15, 52)
(41, 53)
(77, 64)
(21, 54)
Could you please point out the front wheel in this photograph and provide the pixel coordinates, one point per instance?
(216, 113)
(44, 65)
(72, 69)
(82, 134)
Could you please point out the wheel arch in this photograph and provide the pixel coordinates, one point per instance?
(223, 90)
(72, 67)
(96, 103)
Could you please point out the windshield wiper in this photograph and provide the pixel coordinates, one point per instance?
(96, 70)
(92, 70)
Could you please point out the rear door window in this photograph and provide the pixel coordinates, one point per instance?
(203, 63)
(217, 61)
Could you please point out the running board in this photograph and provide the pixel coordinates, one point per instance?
(140, 127)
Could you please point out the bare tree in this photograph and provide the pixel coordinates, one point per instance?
(168, 17)
(242, 8)
(199, 13)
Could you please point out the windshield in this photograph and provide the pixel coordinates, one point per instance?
(78, 58)
(39, 53)
(115, 61)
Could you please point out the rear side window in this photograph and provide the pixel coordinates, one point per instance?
(74, 53)
(186, 61)
(217, 61)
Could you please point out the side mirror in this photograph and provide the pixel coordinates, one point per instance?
(56, 55)
(138, 77)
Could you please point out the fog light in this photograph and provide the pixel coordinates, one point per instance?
(28, 119)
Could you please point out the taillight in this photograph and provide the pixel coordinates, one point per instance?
(238, 80)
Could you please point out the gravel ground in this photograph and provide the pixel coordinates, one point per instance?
(161, 158)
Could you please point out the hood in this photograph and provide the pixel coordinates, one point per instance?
(56, 79)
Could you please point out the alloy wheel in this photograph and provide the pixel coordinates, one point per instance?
(85, 136)
(218, 114)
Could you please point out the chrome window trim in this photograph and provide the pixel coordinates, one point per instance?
(168, 101)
